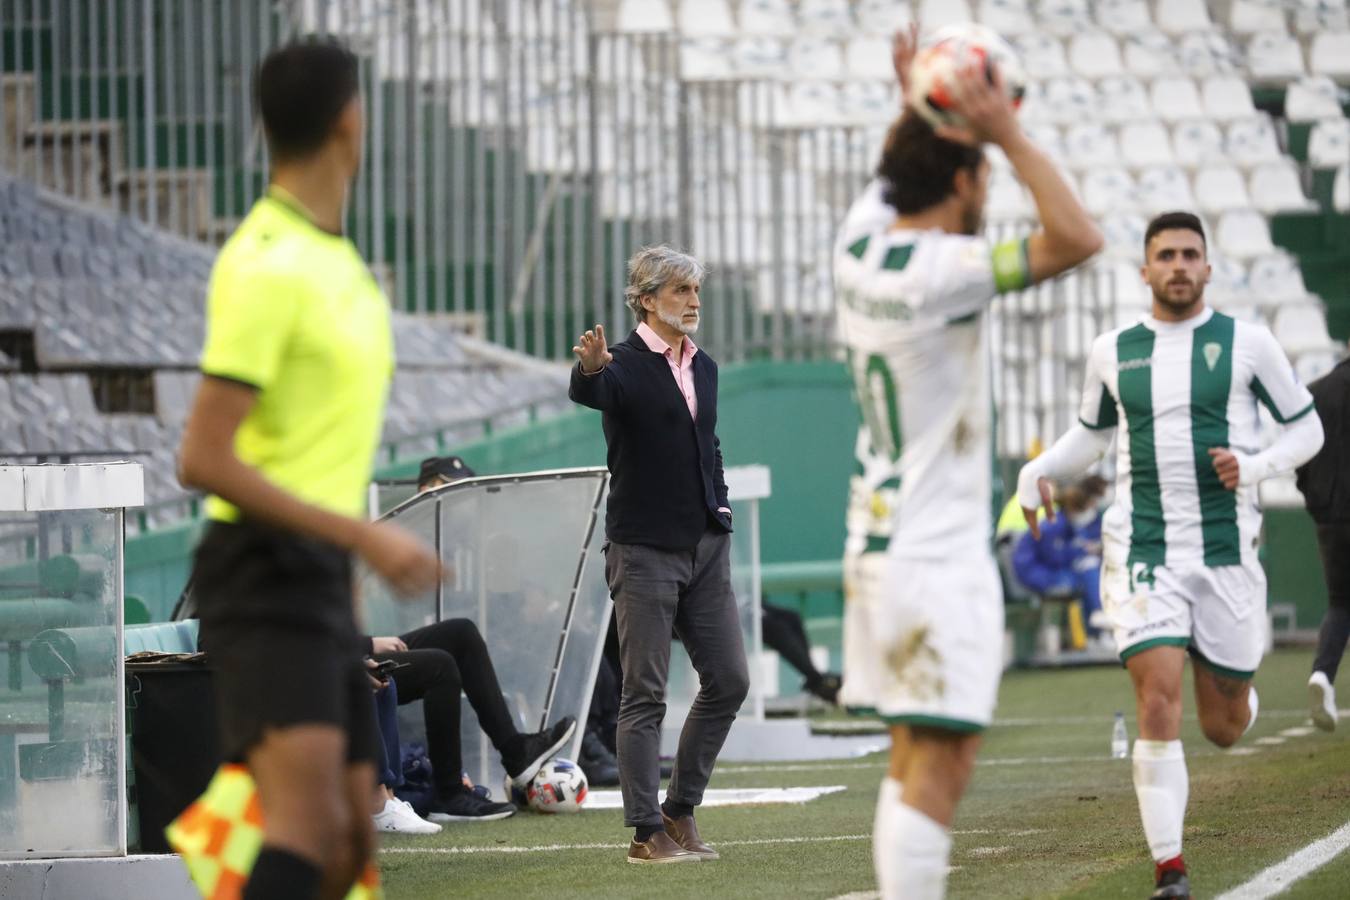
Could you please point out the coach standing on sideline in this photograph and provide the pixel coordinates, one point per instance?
(667, 558)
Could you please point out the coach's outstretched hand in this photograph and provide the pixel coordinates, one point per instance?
(593, 352)
(1047, 503)
(408, 564)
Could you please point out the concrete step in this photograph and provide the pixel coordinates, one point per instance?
(81, 157)
(181, 203)
(18, 96)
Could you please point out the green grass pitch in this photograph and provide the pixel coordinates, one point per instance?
(1049, 814)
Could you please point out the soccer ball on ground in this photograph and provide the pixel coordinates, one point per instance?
(559, 787)
(938, 61)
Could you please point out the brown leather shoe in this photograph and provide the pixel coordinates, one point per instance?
(659, 848)
(685, 833)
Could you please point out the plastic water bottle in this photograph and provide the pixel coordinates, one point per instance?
(1120, 739)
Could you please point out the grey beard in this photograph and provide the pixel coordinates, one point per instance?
(678, 323)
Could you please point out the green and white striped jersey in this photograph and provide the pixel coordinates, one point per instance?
(1175, 390)
(910, 310)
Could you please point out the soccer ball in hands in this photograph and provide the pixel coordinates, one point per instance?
(558, 787)
(938, 62)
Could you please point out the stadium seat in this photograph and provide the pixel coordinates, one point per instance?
(1274, 57)
(1219, 189)
(1047, 137)
(1251, 16)
(1312, 98)
(1091, 145)
(1008, 200)
(1340, 190)
(1252, 142)
(1164, 188)
(1276, 279)
(1064, 18)
(1124, 17)
(1244, 235)
(705, 59)
(1228, 276)
(1042, 55)
(767, 17)
(1144, 144)
(861, 102)
(1301, 328)
(761, 56)
(1313, 364)
(869, 58)
(1227, 97)
(1124, 235)
(1206, 53)
(644, 15)
(1276, 188)
(708, 18)
(1123, 99)
(1094, 54)
(1149, 54)
(1183, 16)
(934, 14)
(1068, 100)
(1313, 16)
(1176, 99)
(1108, 191)
(810, 57)
(883, 16)
(1329, 144)
(1330, 55)
(831, 18)
(1009, 18)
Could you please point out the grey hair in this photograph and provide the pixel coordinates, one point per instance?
(652, 268)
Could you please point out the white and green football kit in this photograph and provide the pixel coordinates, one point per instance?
(1179, 559)
(924, 610)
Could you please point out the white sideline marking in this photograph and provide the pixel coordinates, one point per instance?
(727, 796)
(555, 848)
(984, 852)
(1270, 741)
(1242, 751)
(1277, 878)
(1301, 731)
(1189, 717)
(880, 764)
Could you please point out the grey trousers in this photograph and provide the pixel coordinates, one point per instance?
(656, 591)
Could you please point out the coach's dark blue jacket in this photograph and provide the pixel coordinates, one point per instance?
(666, 481)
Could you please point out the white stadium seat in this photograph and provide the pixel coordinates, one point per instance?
(883, 16)
(1164, 188)
(813, 103)
(1313, 16)
(1219, 189)
(761, 56)
(1227, 97)
(826, 17)
(1094, 54)
(1312, 98)
(1008, 17)
(1145, 144)
(1313, 364)
(1107, 191)
(869, 58)
(1123, 99)
(1149, 54)
(814, 57)
(1228, 276)
(1064, 17)
(1042, 55)
(1275, 57)
(1330, 55)
(1176, 99)
(1329, 144)
(1048, 138)
(1182, 16)
(1090, 145)
(1068, 100)
(1276, 188)
(705, 59)
(1251, 16)
(1124, 234)
(1301, 328)
(1124, 17)
(1276, 279)
(1252, 142)
(645, 15)
(705, 18)
(1340, 190)
(1008, 200)
(935, 14)
(767, 17)
(1206, 53)
(1244, 234)
(862, 102)
(1197, 143)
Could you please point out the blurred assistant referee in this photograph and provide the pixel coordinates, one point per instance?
(282, 435)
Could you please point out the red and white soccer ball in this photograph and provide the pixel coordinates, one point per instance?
(559, 787)
(938, 61)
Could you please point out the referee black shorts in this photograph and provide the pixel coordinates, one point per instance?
(280, 636)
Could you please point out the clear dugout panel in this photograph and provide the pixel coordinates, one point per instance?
(61, 742)
(526, 569)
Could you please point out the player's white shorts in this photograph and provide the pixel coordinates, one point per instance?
(1218, 612)
(923, 640)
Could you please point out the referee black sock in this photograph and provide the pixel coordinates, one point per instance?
(279, 875)
(676, 810)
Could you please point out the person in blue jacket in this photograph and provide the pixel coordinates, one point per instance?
(1067, 559)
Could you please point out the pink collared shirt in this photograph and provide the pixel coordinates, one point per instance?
(682, 368)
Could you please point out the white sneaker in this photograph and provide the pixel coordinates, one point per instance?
(1322, 701)
(398, 817)
(1253, 704)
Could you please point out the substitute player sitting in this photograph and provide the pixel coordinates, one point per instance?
(1179, 567)
(924, 612)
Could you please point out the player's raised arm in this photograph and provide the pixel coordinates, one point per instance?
(1068, 235)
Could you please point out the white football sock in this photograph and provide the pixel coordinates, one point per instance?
(918, 849)
(1162, 786)
(884, 862)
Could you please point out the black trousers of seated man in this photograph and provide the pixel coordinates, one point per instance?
(1333, 541)
(444, 660)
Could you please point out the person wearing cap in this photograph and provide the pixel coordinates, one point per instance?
(437, 471)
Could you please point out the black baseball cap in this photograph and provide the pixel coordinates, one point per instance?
(451, 468)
